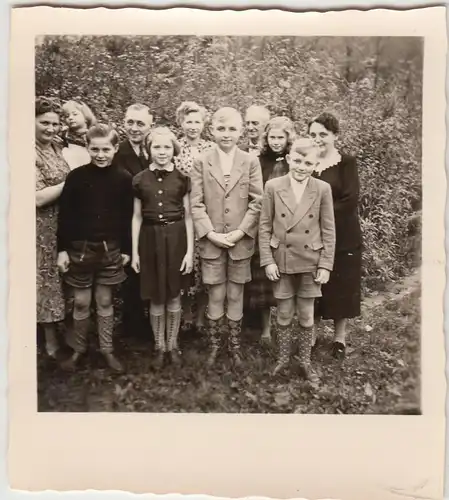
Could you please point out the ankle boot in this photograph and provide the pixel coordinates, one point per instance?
(78, 342)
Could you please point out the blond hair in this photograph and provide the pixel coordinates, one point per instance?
(226, 113)
(162, 132)
(83, 108)
(188, 107)
(303, 146)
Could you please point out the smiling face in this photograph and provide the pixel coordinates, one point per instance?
(227, 132)
(161, 150)
(47, 126)
(303, 164)
(193, 125)
(324, 139)
(75, 119)
(277, 140)
(137, 125)
(254, 124)
(101, 151)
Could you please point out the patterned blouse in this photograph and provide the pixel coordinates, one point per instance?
(184, 161)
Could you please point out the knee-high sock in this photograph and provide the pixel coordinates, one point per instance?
(77, 339)
(173, 324)
(105, 325)
(305, 343)
(158, 325)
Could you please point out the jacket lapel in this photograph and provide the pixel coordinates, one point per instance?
(286, 194)
(237, 169)
(308, 197)
(215, 168)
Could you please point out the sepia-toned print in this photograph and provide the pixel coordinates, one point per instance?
(228, 224)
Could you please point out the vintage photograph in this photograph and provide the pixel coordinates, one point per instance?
(228, 224)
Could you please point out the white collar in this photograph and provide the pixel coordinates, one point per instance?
(154, 167)
(296, 184)
(324, 163)
(229, 154)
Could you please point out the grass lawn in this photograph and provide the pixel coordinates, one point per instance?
(380, 375)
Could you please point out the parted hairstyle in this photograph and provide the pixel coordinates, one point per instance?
(102, 130)
(162, 132)
(303, 146)
(44, 105)
(280, 122)
(188, 107)
(261, 110)
(328, 121)
(226, 113)
(83, 108)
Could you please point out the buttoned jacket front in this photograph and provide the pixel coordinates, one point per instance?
(299, 237)
(223, 208)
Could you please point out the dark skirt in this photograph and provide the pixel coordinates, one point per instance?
(161, 251)
(341, 295)
(259, 291)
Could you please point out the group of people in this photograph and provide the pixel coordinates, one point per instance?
(205, 232)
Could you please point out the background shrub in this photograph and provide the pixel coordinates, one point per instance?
(374, 86)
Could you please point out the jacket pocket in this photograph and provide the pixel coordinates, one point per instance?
(317, 245)
(274, 242)
(244, 189)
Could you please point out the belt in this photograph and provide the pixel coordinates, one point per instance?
(161, 222)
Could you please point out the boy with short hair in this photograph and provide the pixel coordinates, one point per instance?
(226, 199)
(94, 239)
(297, 247)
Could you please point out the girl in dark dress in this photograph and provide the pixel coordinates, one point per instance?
(163, 237)
(341, 295)
(276, 140)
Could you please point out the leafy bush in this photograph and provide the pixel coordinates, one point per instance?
(374, 86)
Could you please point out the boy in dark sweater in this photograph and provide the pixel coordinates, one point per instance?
(94, 239)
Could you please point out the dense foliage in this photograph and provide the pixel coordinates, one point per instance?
(372, 84)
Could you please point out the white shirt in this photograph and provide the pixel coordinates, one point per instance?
(298, 188)
(226, 161)
(76, 156)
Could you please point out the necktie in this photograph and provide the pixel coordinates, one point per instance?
(142, 157)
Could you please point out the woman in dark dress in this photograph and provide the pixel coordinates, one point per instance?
(341, 295)
(276, 140)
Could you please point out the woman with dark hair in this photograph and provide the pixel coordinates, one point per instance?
(276, 140)
(51, 171)
(341, 296)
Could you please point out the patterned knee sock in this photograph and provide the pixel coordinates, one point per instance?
(105, 325)
(235, 331)
(78, 339)
(305, 344)
(284, 334)
(173, 324)
(215, 330)
(158, 325)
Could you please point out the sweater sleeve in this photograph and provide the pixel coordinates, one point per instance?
(127, 213)
(67, 208)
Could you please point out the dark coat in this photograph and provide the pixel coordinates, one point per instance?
(127, 159)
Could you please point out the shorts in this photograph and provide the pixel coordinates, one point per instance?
(300, 285)
(223, 268)
(99, 262)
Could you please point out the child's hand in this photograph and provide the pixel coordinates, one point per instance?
(272, 272)
(125, 259)
(322, 276)
(235, 236)
(187, 263)
(219, 240)
(63, 262)
(135, 263)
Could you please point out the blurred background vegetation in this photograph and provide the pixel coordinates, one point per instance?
(373, 85)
